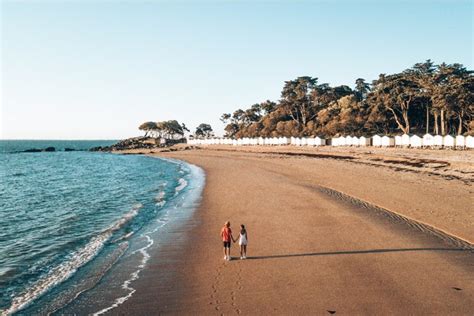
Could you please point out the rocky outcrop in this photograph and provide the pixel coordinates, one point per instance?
(139, 143)
(37, 150)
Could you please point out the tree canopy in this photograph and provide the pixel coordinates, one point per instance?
(164, 129)
(425, 98)
(204, 130)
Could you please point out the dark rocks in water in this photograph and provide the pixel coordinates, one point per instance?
(139, 143)
(69, 149)
(37, 150)
(98, 148)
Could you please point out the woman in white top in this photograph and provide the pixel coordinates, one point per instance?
(243, 240)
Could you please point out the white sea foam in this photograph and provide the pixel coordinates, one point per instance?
(65, 270)
(160, 199)
(133, 276)
(182, 184)
(163, 220)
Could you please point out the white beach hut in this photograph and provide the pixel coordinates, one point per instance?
(355, 141)
(276, 141)
(310, 141)
(234, 142)
(398, 141)
(285, 141)
(298, 141)
(376, 141)
(448, 141)
(348, 140)
(469, 141)
(334, 141)
(405, 140)
(416, 141)
(304, 141)
(342, 141)
(460, 141)
(318, 141)
(428, 140)
(438, 140)
(364, 141)
(260, 141)
(387, 141)
(292, 140)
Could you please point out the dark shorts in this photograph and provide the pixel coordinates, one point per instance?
(226, 244)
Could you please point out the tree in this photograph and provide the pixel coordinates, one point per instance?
(419, 99)
(397, 93)
(204, 130)
(362, 88)
(148, 127)
(297, 101)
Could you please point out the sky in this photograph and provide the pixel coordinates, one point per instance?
(97, 69)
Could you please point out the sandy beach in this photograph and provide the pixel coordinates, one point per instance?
(346, 231)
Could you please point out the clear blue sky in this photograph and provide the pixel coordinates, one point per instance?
(97, 69)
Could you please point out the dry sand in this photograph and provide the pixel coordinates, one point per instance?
(331, 231)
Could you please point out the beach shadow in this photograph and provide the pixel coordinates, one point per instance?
(355, 252)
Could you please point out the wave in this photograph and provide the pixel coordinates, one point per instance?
(65, 270)
(182, 184)
(133, 276)
(126, 285)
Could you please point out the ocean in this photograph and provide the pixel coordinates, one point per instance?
(69, 220)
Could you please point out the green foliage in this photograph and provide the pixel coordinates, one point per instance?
(203, 130)
(165, 129)
(425, 98)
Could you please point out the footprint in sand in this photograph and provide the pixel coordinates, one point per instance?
(457, 288)
(331, 312)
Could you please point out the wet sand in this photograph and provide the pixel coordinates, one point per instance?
(325, 235)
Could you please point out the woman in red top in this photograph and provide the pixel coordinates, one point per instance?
(226, 234)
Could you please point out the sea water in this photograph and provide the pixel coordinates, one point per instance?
(70, 219)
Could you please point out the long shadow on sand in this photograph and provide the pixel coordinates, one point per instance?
(356, 252)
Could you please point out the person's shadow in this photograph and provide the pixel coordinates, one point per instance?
(355, 252)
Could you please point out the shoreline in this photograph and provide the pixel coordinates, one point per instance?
(202, 282)
(121, 252)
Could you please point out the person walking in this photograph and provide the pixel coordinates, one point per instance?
(226, 234)
(243, 241)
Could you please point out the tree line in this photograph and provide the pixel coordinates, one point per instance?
(426, 98)
(172, 129)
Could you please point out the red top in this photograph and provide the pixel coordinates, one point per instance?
(225, 233)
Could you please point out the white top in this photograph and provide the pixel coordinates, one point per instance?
(243, 239)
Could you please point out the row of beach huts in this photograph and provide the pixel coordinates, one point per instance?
(412, 141)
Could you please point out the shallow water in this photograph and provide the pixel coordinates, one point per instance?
(69, 218)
